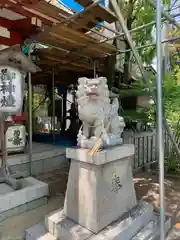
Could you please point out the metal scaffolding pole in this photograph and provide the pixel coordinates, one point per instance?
(136, 29)
(75, 15)
(159, 111)
(30, 117)
(65, 50)
(165, 14)
(53, 107)
(172, 39)
(141, 67)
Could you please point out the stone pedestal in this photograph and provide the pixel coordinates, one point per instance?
(100, 188)
(100, 202)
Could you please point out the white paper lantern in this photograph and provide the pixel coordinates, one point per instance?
(11, 89)
(16, 138)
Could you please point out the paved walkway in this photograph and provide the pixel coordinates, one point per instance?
(14, 228)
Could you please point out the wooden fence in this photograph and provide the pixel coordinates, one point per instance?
(146, 151)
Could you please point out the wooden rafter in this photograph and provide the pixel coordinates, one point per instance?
(98, 10)
(72, 40)
(76, 49)
(68, 62)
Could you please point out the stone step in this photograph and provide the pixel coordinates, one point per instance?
(38, 232)
(123, 228)
(62, 227)
(152, 230)
(174, 234)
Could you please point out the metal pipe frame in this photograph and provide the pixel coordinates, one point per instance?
(172, 39)
(118, 35)
(30, 99)
(65, 50)
(89, 29)
(53, 106)
(92, 30)
(138, 28)
(75, 15)
(174, 3)
(141, 67)
(72, 18)
(132, 30)
(165, 14)
(157, 100)
(159, 111)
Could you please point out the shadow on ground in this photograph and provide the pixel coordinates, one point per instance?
(147, 188)
(56, 180)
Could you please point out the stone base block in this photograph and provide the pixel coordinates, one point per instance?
(152, 229)
(38, 232)
(23, 208)
(124, 228)
(63, 227)
(174, 234)
(17, 201)
(140, 223)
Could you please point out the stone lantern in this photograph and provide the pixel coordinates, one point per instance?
(14, 66)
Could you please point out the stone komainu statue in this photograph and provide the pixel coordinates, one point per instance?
(98, 115)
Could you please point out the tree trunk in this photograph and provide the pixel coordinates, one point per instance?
(109, 70)
(128, 54)
(110, 62)
(128, 16)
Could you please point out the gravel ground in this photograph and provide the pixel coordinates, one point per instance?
(147, 188)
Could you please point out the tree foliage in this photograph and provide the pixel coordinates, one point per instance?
(137, 13)
(171, 93)
(171, 86)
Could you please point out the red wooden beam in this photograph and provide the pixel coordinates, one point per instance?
(20, 2)
(28, 2)
(6, 23)
(3, 3)
(14, 39)
(29, 12)
(26, 27)
(32, 10)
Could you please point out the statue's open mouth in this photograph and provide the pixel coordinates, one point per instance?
(92, 94)
(93, 91)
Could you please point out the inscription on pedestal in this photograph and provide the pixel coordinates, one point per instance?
(116, 184)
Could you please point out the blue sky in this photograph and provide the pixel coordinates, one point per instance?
(72, 4)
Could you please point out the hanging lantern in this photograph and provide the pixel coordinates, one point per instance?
(11, 94)
(14, 66)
